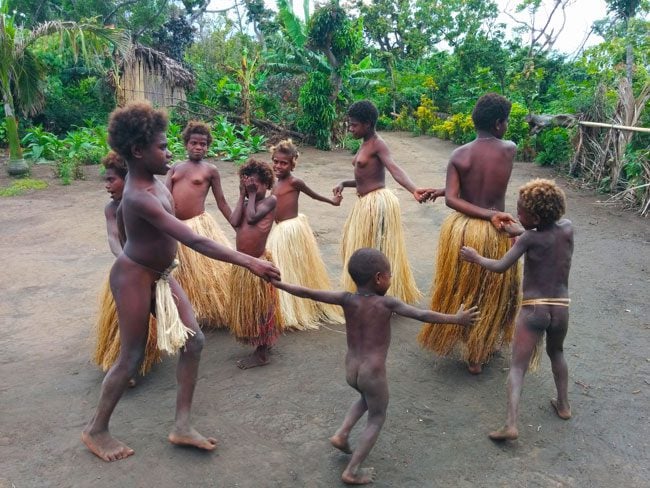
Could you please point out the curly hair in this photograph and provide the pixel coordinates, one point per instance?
(365, 263)
(259, 168)
(489, 109)
(135, 124)
(364, 111)
(287, 147)
(115, 162)
(196, 127)
(542, 199)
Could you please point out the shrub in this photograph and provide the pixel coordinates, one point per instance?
(425, 115)
(554, 147)
(458, 128)
(404, 120)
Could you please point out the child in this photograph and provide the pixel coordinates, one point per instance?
(137, 133)
(367, 317)
(107, 348)
(204, 280)
(255, 312)
(548, 246)
(375, 219)
(477, 179)
(294, 247)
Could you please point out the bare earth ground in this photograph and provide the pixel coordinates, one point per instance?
(273, 423)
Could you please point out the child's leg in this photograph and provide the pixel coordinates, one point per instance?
(340, 437)
(374, 387)
(186, 374)
(131, 286)
(555, 348)
(529, 328)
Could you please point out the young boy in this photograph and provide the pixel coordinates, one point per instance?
(294, 247)
(107, 348)
(375, 219)
(367, 317)
(254, 309)
(137, 133)
(477, 179)
(548, 246)
(204, 280)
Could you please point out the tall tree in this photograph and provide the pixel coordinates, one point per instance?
(625, 11)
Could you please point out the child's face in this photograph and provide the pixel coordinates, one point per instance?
(253, 183)
(156, 157)
(114, 184)
(197, 147)
(358, 129)
(527, 221)
(282, 164)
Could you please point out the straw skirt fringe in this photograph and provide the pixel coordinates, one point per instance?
(375, 221)
(205, 280)
(295, 252)
(254, 317)
(107, 348)
(498, 296)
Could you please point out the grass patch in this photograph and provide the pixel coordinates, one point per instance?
(19, 187)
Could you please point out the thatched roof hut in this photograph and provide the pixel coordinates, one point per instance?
(147, 74)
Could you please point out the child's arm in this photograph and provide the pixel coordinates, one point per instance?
(254, 211)
(237, 214)
(110, 212)
(384, 155)
(462, 317)
(338, 189)
(326, 296)
(217, 191)
(498, 265)
(300, 185)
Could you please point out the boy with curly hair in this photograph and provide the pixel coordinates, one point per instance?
(204, 280)
(293, 245)
(255, 317)
(547, 244)
(140, 278)
(477, 180)
(375, 220)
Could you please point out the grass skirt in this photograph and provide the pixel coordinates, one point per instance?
(497, 295)
(205, 280)
(107, 348)
(295, 252)
(375, 221)
(254, 317)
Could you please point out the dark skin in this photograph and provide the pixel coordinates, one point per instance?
(287, 188)
(371, 162)
(152, 234)
(114, 186)
(252, 219)
(190, 181)
(548, 250)
(367, 317)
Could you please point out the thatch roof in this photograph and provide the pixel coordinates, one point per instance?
(168, 68)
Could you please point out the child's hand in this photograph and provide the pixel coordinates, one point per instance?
(469, 254)
(501, 219)
(264, 269)
(433, 193)
(338, 190)
(336, 201)
(251, 187)
(468, 317)
(514, 230)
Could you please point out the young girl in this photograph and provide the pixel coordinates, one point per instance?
(203, 279)
(547, 244)
(108, 336)
(254, 308)
(294, 247)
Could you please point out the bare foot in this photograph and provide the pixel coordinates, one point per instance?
(341, 443)
(105, 447)
(252, 361)
(563, 413)
(475, 368)
(132, 383)
(192, 438)
(504, 434)
(363, 476)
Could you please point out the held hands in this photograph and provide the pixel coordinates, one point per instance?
(428, 194)
(469, 254)
(502, 219)
(468, 317)
(336, 200)
(264, 270)
(338, 190)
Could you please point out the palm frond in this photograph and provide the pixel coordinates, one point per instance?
(28, 78)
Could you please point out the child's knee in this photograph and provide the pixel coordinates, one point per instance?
(195, 343)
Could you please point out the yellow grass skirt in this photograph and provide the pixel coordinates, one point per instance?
(375, 221)
(497, 295)
(205, 280)
(295, 252)
(254, 316)
(107, 348)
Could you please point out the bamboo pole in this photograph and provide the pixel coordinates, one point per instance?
(615, 126)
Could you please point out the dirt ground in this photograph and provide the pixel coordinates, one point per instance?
(273, 423)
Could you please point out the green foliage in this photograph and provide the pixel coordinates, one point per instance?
(3, 133)
(425, 115)
(350, 143)
(318, 112)
(458, 128)
(41, 144)
(556, 148)
(20, 186)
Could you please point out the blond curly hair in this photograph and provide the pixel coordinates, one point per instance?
(543, 199)
(287, 146)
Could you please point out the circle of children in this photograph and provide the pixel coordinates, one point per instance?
(477, 303)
